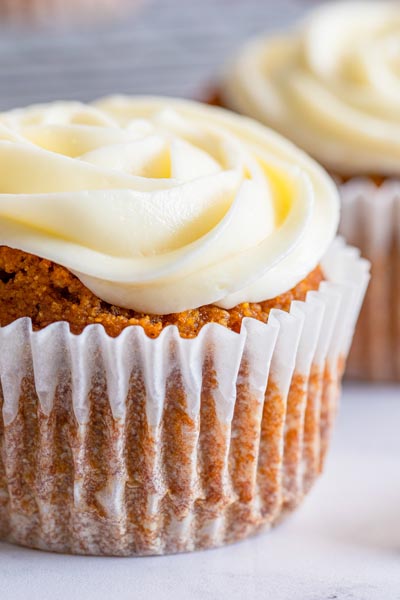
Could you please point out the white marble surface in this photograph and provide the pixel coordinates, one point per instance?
(342, 544)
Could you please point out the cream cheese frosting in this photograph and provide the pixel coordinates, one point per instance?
(163, 205)
(332, 85)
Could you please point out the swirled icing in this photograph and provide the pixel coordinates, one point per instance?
(162, 205)
(332, 85)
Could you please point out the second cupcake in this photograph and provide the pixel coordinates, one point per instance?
(332, 85)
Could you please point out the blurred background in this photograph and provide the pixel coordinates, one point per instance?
(83, 49)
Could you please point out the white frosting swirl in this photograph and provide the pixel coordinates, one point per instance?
(162, 205)
(332, 85)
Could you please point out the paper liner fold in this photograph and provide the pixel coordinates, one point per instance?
(371, 221)
(132, 445)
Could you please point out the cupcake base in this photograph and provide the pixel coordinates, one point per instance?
(63, 478)
(134, 446)
(371, 220)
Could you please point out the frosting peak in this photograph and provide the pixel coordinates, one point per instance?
(332, 85)
(162, 205)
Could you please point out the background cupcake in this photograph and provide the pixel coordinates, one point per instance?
(332, 86)
(214, 237)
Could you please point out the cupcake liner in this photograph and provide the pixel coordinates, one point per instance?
(371, 220)
(133, 446)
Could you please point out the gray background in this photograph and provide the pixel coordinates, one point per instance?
(172, 47)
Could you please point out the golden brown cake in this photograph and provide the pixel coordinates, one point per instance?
(175, 316)
(46, 293)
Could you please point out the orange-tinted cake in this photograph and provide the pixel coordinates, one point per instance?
(37, 288)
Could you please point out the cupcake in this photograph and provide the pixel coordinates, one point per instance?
(332, 85)
(175, 316)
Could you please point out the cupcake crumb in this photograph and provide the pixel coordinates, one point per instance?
(46, 292)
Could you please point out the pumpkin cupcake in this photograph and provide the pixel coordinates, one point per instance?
(332, 85)
(175, 316)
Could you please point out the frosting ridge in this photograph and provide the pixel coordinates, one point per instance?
(162, 205)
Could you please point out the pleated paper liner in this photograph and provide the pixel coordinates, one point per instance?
(371, 220)
(134, 446)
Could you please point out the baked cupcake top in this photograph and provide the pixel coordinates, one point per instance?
(332, 85)
(163, 205)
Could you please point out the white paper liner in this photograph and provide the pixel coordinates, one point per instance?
(371, 221)
(132, 445)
